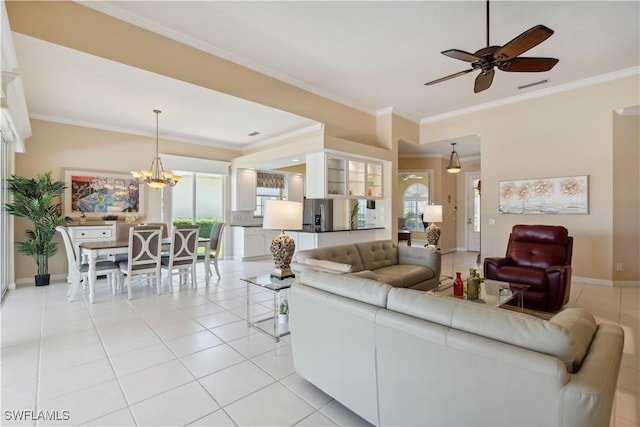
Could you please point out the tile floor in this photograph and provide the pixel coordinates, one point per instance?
(188, 358)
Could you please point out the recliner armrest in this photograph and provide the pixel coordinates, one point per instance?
(498, 262)
(558, 268)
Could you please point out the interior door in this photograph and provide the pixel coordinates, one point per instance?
(473, 211)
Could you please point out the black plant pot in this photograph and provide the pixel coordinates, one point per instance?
(42, 279)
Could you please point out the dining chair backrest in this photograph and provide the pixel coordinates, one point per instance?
(122, 230)
(164, 225)
(184, 245)
(144, 248)
(216, 237)
(72, 259)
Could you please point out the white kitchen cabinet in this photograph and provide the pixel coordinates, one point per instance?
(295, 187)
(252, 242)
(246, 184)
(326, 176)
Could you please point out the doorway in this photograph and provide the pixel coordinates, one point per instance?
(472, 190)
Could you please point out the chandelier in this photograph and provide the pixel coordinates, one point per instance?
(156, 176)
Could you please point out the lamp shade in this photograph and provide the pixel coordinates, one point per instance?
(282, 215)
(432, 213)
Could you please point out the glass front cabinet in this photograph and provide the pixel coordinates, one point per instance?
(329, 175)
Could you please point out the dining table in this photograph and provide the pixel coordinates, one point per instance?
(93, 250)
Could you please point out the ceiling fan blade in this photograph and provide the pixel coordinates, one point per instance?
(483, 81)
(528, 64)
(449, 77)
(525, 41)
(461, 55)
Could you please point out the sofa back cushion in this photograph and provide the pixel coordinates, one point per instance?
(567, 337)
(342, 254)
(377, 254)
(539, 246)
(357, 288)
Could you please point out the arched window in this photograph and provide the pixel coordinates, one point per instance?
(413, 200)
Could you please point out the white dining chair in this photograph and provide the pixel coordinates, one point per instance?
(143, 257)
(183, 254)
(214, 245)
(80, 272)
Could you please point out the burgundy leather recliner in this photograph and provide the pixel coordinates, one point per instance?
(538, 256)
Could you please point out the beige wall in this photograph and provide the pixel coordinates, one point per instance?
(55, 147)
(563, 134)
(626, 197)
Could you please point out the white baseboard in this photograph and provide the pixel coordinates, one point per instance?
(602, 282)
(30, 281)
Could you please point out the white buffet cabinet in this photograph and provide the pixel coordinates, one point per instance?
(91, 233)
(254, 242)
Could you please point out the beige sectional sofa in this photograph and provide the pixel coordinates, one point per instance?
(381, 260)
(400, 357)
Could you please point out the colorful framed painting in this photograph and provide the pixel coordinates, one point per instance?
(97, 194)
(545, 196)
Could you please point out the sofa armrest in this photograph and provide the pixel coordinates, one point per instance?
(420, 256)
(588, 396)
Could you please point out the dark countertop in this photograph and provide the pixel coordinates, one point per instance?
(317, 230)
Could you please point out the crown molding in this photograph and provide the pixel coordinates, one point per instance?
(537, 94)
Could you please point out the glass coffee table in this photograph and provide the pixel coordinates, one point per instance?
(492, 292)
(276, 286)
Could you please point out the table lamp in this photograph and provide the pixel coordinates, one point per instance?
(432, 214)
(281, 215)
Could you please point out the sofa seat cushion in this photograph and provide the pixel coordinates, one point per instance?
(404, 275)
(357, 288)
(567, 338)
(536, 278)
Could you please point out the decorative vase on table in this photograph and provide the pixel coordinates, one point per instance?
(458, 285)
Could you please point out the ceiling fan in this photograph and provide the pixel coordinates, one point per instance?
(505, 58)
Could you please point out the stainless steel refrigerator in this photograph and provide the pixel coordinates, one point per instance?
(318, 214)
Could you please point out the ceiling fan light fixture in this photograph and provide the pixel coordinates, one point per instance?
(454, 161)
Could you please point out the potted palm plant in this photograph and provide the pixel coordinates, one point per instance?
(38, 200)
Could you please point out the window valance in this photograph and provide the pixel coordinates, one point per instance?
(270, 180)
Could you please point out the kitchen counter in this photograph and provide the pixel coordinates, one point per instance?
(317, 230)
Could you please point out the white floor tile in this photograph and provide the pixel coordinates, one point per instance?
(217, 319)
(254, 344)
(313, 395)
(235, 382)
(217, 419)
(74, 379)
(277, 362)
(178, 329)
(137, 360)
(274, 405)
(120, 418)
(212, 360)
(316, 420)
(343, 416)
(189, 344)
(155, 380)
(87, 404)
(57, 360)
(176, 407)
(232, 331)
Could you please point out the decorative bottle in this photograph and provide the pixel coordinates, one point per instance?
(458, 285)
